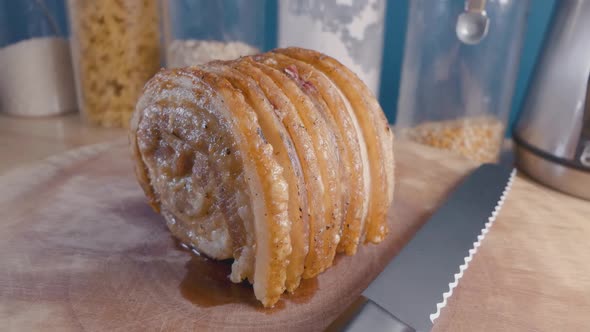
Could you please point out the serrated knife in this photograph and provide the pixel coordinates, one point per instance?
(409, 294)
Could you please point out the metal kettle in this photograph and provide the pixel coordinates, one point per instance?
(553, 134)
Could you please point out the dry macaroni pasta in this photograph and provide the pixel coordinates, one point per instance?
(116, 50)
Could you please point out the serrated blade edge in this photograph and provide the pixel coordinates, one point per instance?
(473, 251)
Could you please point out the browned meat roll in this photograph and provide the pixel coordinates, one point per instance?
(277, 161)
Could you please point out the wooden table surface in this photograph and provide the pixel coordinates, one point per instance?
(532, 272)
(24, 140)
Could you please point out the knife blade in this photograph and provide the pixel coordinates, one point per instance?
(412, 289)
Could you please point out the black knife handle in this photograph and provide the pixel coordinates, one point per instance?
(365, 315)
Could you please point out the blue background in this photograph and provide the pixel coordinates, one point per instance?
(13, 27)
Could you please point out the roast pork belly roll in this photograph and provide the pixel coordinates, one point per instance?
(278, 161)
(273, 83)
(324, 230)
(286, 155)
(353, 176)
(212, 174)
(377, 136)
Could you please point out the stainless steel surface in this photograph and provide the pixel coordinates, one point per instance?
(369, 316)
(425, 272)
(562, 178)
(472, 25)
(553, 134)
(552, 116)
(583, 153)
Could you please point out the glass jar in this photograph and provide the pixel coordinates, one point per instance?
(198, 31)
(351, 32)
(456, 95)
(36, 76)
(116, 49)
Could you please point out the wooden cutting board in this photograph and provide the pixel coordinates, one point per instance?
(81, 250)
